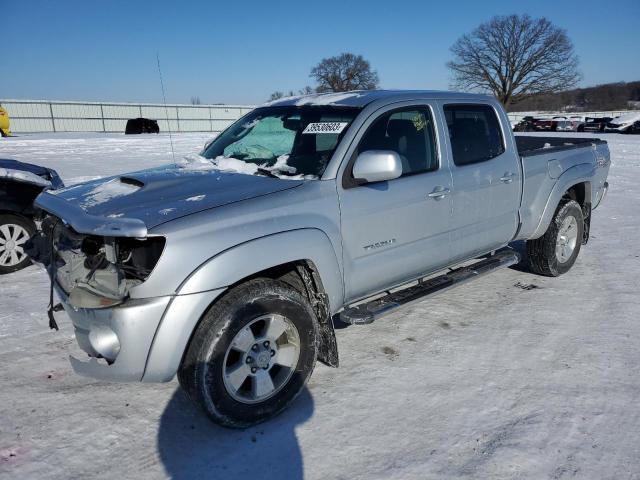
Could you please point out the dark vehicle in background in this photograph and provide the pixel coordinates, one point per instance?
(527, 124)
(20, 184)
(141, 125)
(592, 124)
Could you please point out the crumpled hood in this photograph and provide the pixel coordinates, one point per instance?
(158, 195)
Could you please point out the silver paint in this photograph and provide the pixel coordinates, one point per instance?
(243, 224)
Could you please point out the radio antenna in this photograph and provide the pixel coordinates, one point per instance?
(166, 110)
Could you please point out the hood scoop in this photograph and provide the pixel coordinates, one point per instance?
(132, 181)
(123, 204)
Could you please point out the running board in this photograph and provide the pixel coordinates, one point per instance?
(368, 312)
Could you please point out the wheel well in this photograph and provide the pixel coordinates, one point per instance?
(580, 192)
(577, 192)
(16, 214)
(291, 274)
(4, 211)
(303, 276)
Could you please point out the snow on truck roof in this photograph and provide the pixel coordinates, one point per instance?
(361, 98)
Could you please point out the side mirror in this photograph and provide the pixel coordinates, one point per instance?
(377, 166)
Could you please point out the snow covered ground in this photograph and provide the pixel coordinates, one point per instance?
(513, 376)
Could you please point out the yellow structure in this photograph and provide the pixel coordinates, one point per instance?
(4, 122)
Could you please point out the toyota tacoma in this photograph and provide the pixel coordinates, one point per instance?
(229, 268)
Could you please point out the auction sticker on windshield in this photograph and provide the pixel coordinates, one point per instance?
(325, 127)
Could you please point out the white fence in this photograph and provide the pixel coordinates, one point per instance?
(32, 116)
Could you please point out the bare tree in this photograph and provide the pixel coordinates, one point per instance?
(195, 101)
(514, 57)
(278, 94)
(344, 72)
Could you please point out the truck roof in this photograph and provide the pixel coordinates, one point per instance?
(361, 98)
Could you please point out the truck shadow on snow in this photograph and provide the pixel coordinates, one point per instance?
(191, 446)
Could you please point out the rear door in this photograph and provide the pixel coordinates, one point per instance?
(486, 179)
(395, 230)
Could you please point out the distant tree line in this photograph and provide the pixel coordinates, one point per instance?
(610, 96)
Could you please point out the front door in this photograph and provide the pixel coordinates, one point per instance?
(395, 230)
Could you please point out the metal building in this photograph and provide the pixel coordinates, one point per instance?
(32, 116)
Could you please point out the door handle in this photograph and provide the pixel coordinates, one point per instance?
(507, 178)
(439, 192)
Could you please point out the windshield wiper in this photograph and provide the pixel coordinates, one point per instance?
(266, 173)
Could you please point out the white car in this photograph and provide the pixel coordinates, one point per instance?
(627, 123)
(572, 124)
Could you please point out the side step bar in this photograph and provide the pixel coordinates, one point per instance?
(368, 312)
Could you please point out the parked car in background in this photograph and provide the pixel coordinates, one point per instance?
(527, 124)
(548, 124)
(228, 268)
(627, 123)
(593, 124)
(141, 125)
(20, 184)
(572, 124)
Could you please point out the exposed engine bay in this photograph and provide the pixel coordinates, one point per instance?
(94, 271)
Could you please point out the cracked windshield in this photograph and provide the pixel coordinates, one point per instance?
(284, 142)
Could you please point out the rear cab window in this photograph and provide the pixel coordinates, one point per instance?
(474, 132)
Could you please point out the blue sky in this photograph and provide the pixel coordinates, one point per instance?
(240, 52)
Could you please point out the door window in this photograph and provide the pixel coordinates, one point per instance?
(410, 133)
(475, 133)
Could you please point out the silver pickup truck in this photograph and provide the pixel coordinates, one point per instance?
(230, 267)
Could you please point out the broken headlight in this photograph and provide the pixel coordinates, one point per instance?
(98, 272)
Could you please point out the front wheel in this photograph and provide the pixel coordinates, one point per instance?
(252, 353)
(15, 230)
(556, 251)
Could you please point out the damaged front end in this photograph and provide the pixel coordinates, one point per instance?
(92, 272)
(98, 272)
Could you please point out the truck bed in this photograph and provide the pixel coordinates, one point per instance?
(533, 145)
(544, 161)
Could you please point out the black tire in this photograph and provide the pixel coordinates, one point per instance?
(542, 251)
(8, 222)
(203, 366)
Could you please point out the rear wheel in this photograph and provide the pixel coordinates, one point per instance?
(556, 251)
(251, 354)
(15, 230)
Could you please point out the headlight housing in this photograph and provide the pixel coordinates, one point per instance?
(98, 272)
